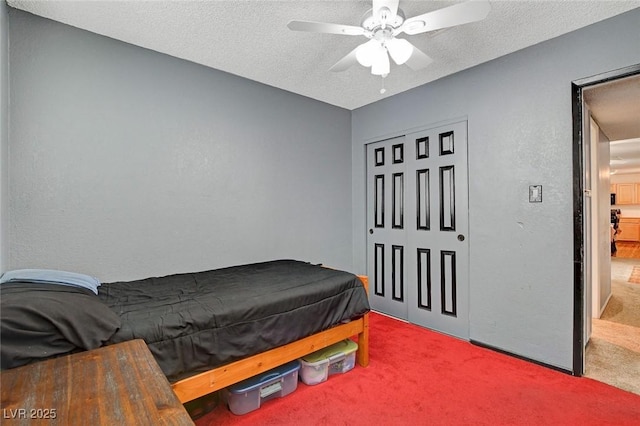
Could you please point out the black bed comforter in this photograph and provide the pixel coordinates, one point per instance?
(196, 321)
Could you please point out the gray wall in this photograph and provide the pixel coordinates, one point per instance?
(127, 163)
(4, 135)
(520, 133)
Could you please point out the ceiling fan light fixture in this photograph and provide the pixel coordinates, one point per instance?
(381, 65)
(400, 50)
(367, 52)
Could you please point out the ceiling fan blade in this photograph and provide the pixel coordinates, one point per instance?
(392, 5)
(322, 27)
(345, 63)
(462, 13)
(418, 60)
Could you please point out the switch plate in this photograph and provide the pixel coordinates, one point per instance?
(535, 193)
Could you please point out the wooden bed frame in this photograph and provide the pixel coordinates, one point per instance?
(218, 378)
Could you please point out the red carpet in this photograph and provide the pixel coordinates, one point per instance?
(424, 378)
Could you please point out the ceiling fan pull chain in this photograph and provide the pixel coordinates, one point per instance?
(382, 90)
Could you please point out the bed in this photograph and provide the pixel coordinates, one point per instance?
(210, 329)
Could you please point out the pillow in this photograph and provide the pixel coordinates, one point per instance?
(43, 321)
(50, 276)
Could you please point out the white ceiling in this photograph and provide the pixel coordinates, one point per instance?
(616, 108)
(625, 156)
(250, 38)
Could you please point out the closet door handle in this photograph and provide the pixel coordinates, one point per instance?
(460, 237)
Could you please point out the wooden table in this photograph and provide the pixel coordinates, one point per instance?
(115, 385)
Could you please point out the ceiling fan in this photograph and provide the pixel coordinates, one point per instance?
(383, 23)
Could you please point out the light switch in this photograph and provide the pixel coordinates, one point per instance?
(535, 193)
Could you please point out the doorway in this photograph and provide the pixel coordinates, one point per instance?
(592, 210)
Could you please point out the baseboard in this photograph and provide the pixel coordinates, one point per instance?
(604, 306)
(395, 318)
(524, 358)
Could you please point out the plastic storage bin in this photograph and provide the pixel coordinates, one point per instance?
(247, 395)
(338, 358)
(203, 405)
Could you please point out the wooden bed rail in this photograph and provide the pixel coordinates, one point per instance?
(218, 378)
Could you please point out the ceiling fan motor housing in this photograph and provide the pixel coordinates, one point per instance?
(372, 24)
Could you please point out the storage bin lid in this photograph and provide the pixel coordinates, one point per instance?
(345, 347)
(257, 381)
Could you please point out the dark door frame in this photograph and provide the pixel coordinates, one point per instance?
(577, 87)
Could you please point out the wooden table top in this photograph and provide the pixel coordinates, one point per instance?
(114, 385)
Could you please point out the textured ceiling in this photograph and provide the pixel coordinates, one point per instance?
(616, 108)
(250, 38)
(625, 156)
